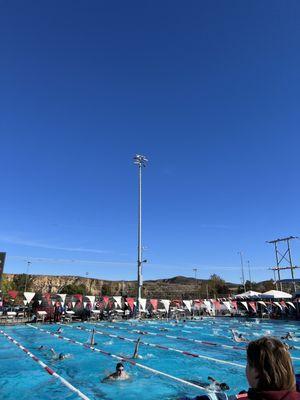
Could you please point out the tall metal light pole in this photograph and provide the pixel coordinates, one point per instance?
(249, 271)
(27, 272)
(242, 265)
(140, 161)
(195, 270)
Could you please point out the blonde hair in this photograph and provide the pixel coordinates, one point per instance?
(272, 361)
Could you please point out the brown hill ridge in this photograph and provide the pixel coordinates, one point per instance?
(176, 287)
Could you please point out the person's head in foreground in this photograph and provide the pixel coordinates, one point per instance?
(269, 366)
(119, 369)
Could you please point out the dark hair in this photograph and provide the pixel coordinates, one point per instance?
(224, 386)
(272, 361)
(119, 365)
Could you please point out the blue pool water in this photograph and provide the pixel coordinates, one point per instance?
(23, 378)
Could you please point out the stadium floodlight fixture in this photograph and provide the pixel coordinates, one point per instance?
(140, 160)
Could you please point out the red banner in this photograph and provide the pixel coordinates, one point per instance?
(234, 303)
(176, 303)
(13, 293)
(78, 297)
(217, 305)
(47, 296)
(252, 305)
(154, 303)
(130, 301)
(197, 304)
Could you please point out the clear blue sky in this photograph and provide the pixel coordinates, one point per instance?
(208, 90)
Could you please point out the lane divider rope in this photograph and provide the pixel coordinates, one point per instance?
(204, 342)
(45, 367)
(185, 353)
(120, 358)
(225, 346)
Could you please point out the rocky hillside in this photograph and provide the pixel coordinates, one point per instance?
(177, 287)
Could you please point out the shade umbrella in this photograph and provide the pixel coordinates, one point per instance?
(248, 295)
(276, 294)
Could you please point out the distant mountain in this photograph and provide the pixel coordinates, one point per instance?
(176, 287)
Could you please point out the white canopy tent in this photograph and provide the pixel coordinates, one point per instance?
(276, 294)
(248, 295)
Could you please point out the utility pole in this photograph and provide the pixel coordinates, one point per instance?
(26, 277)
(249, 270)
(140, 161)
(242, 265)
(195, 271)
(286, 256)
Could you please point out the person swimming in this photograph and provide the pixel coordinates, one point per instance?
(136, 349)
(216, 386)
(59, 330)
(289, 347)
(60, 356)
(120, 374)
(288, 336)
(238, 337)
(141, 332)
(93, 343)
(213, 385)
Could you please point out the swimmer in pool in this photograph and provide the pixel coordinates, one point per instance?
(213, 385)
(216, 386)
(238, 338)
(120, 374)
(164, 329)
(60, 356)
(289, 347)
(93, 343)
(136, 349)
(59, 330)
(288, 336)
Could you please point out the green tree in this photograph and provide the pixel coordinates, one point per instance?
(75, 289)
(105, 290)
(7, 284)
(217, 285)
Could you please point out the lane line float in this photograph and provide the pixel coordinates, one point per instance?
(185, 353)
(120, 358)
(204, 342)
(45, 367)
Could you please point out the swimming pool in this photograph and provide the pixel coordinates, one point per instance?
(189, 351)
